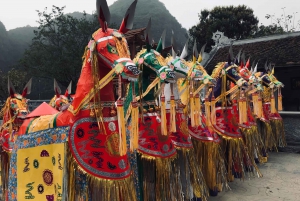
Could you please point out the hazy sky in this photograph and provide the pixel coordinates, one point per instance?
(19, 13)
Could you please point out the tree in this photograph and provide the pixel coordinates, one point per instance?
(58, 46)
(285, 22)
(263, 30)
(237, 22)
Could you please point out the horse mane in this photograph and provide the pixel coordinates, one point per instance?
(217, 70)
(6, 114)
(159, 58)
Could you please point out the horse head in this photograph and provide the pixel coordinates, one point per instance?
(16, 104)
(110, 45)
(249, 75)
(153, 60)
(60, 101)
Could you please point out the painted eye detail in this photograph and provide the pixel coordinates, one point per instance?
(112, 49)
(155, 62)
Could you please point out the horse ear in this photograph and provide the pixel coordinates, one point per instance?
(255, 69)
(147, 36)
(243, 60)
(173, 42)
(174, 55)
(238, 58)
(11, 88)
(161, 43)
(27, 88)
(68, 90)
(266, 66)
(57, 89)
(103, 14)
(248, 63)
(127, 22)
(200, 58)
(195, 52)
(184, 52)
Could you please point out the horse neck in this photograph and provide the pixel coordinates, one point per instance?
(85, 85)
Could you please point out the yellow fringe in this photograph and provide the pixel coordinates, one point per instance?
(106, 189)
(187, 169)
(252, 148)
(172, 115)
(210, 157)
(278, 132)
(157, 178)
(134, 138)
(122, 129)
(163, 116)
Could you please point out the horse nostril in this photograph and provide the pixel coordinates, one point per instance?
(24, 113)
(133, 69)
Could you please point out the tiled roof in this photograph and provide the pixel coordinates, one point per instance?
(130, 35)
(282, 50)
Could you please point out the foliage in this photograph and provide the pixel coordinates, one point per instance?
(58, 46)
(237, 22)
(17, 77)
(263, 30)
(285, 22)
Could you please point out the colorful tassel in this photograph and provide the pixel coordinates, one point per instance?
(122, 130)
(163, 116)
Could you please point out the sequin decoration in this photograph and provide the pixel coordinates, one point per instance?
(40, 189)
(48, 177)
(36, 163)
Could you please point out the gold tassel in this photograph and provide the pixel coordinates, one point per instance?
(273, 107)
(172, 115)
(213, 111)
(207, 112)
(245, 116)
(172, 111)
(255, 103)
(122, 130)
(242, 109)
(197, 110)
(260, 108)
(192, 110)
(163, 116)
(134, 138)
(240, 112)
(279, 100)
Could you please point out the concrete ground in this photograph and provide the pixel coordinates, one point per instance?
(280, 181)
